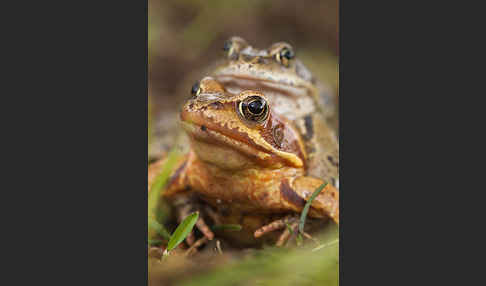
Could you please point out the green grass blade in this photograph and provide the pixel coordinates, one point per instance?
(289, 228)
(303, 216)
(182, 230)
(232, 227)
(156, 192)
(299, 239)
(161, 180)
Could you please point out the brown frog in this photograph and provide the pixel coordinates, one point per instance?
(292, 91)
(277, 72)
(283, 78)
(250, 163)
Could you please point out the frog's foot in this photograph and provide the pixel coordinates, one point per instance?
(193, 248)
(290, 220)
(290, 230)
(290, 233)
(275, 225)
(290, 224)
(185, 206)
(326, 204)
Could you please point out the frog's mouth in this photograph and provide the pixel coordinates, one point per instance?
(202, 129)
(210, 135)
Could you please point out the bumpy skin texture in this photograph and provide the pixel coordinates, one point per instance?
(292, 92)
(257, 172)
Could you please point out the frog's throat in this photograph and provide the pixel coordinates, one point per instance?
(205, 134)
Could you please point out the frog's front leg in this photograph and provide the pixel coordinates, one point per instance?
(326, 204)
(177, 191)
(186, 203)
(293, 196)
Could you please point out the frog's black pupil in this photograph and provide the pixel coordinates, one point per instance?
(227, 46)
(194, 88)
(256, 106)
(287, 54)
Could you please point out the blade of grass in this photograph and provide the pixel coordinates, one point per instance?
(182, 230)
(156, 191)
(289, 228)
(232, 227)
(161, 180)
(303, 216)
(299, 239)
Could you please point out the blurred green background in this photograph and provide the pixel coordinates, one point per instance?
(185, 38)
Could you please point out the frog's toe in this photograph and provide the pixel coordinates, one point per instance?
(193, 248)
(308, 236)
(203, 227)
(275, 225)
(287, 233)
(278, 224)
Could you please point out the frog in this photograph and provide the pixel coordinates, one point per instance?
(249, 163)
(278, 72)
(286, 81)
(292, 91)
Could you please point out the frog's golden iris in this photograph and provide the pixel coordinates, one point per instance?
(284, 55)
(253, 109)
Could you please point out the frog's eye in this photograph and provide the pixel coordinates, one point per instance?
(254, 109)
(227, 45)
(195, 89)
(282, 52)
(233, 46)
(285, 55)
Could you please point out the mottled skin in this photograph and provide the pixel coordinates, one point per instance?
(292, 92)
(251, 172)
(256, 174)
